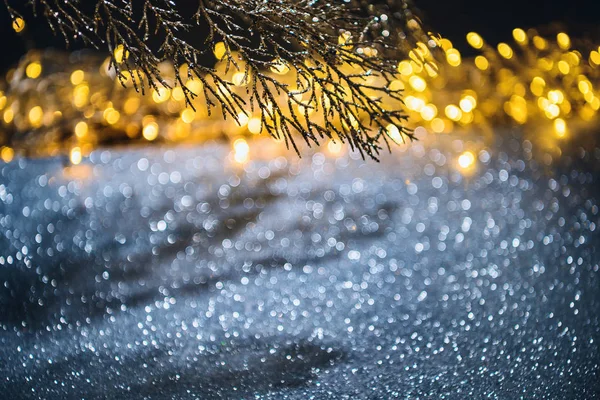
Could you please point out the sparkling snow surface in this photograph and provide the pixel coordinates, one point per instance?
(177, 273)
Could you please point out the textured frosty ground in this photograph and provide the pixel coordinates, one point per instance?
(167, 273)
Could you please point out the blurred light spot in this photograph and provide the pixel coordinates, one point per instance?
(7, 154)
(519, 35)
(560, 127)
(394, 133)
(33, 70)
(18, 24)
(255, 125)
(482, 63)
(161, 95)
(505, 50)
(35, 116)
(417, 83)
(563, 40)
(77, 77)
(75, 155)
(220, 50)
(474, 40)
(334, 147)
(241, 149)
(120, 54)
(466, 160)
(81, 129)
(150, 131)
(188, 115)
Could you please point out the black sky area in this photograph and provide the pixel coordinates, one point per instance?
(493, 19)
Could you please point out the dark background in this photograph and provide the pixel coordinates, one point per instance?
(493, 19)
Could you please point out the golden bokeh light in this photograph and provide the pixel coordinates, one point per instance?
(475, 40)
(150, 131)
(33, 70)
(466, 160)
(18, 24)
(534, 82)
(75, 155)
(81, 129)
(241, 150)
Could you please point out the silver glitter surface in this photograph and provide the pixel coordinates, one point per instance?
(177, 273)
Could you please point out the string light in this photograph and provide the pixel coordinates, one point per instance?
(545, 84)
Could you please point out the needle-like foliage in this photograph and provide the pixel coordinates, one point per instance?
(338, 57)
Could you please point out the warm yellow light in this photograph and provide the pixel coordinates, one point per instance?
(517, 109)
(405, 68)
(18, 24)
(239, 79)
(150, 131)
(396, 85)
(33, 70)
(280, 67)
(537, 86)
(334, 147)
(564, 67)
(7, 154)
(77, 77)
(306, 108)
(111, 115)
(188, 115)
(177, 94)
(552, 111)
(563, 41)
(595, 58)
(556, 96)
(345, 38)
(560, 127)
(242, 119)
(81, 129)
(453, 57)
(519, 35)
(505, 50)
(80, 95)
(432, 69)
(75, 155)
(453, 112)
(584, 87)
(35, 116)
(241, 149)
(437, 125)
(220, 50)
(482, 63)
(468, 103)
(394, 133)
(8, 115)
(428, 112)
(474, 40)
(414, 103)
(540, 43)
(120, 54)
(132, 104)
(417, 83)
(466, 160)
(161, 95)
(195, 86)
(255, 125)
(446, 44)
(417, 67)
